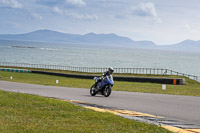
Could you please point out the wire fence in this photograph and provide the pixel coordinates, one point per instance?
(152, 71)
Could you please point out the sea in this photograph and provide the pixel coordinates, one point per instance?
(82, 55)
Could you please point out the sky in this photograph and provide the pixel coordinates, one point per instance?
(164, 22)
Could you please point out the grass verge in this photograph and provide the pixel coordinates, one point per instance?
(30, 113)
(192, 88)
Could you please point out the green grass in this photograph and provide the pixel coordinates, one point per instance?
(29, 113)
(192, 88)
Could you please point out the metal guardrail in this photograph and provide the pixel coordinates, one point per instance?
(174, 81)
(153, 71)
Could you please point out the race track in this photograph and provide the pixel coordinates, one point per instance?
(186, 108)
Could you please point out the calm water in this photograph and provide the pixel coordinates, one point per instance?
(91, 56)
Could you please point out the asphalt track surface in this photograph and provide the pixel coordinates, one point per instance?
(185, 108)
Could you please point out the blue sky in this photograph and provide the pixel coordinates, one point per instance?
(160, 21)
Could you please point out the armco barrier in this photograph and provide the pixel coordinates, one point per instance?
(64, 74)
(174, 81)
(178, 81)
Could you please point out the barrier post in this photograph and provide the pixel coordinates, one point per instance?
(164, 86)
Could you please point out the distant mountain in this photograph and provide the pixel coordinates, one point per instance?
(90, 38)
(42, 36)
(97, 39)
(110, 39)
(186, 45)
(145, 44)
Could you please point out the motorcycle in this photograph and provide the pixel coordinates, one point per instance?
(104, 87)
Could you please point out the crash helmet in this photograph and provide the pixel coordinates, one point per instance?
(111, 70)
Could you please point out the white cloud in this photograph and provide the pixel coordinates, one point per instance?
(57, 10)
(36, 16)
(157, 20)
(187, 27)
(189, 30)
(76, 2)
(15, 25)
(146, 10)
(81, 16)
(74, 14)
(11, 3)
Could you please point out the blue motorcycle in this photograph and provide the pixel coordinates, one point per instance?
(104, 87)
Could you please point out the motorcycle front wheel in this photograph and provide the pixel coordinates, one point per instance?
(92, 90)
(107, 91)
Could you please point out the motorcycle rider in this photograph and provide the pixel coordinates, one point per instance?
(107, 73)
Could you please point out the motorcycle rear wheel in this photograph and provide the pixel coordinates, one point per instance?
(107, 91)
(92, 91)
